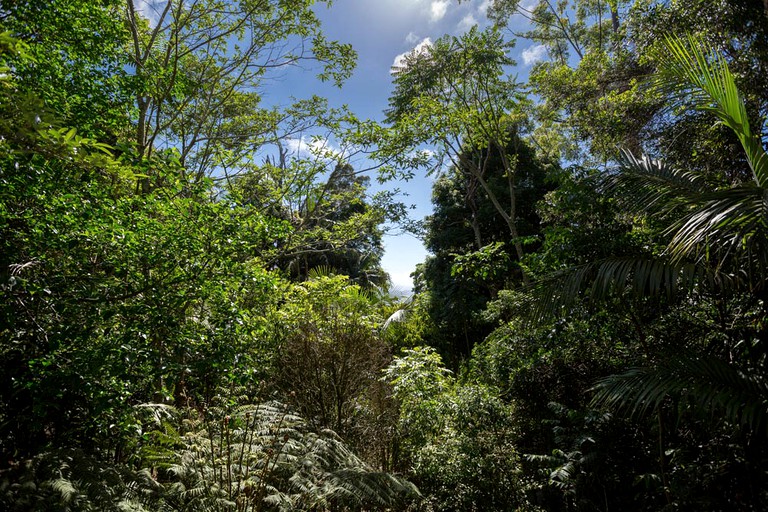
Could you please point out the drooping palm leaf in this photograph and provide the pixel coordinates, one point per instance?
(646, 185)
(729, 228)
(717, 238)
(643, 276)
(740, 396)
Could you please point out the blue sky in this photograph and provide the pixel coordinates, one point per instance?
(381, 31)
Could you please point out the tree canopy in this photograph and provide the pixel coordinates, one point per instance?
(195, 314)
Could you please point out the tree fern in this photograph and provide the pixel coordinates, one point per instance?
(263, 457)
(247, 458)
(73, 480)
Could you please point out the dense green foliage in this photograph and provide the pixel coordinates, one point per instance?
(193, 318)
(632, 368)
(139, 276)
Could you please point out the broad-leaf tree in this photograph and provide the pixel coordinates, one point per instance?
(199, 70)
(457, 98)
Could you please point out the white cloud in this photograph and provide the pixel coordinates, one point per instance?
(428, 153)
(324, 149)
(534, 54)
(411, 38)
(148, 10)
(402, 283)
(295, 146)
(312, 147)
(529, 5)
(420, 48)
(467, 22)
(438, 9)
(483, 7)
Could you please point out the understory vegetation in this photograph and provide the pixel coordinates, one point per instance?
(194, 315)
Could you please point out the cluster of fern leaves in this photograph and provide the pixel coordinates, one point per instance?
(238, 458)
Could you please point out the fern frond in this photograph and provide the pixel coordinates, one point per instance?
(65, 489)
(158, 412)
(266, 455)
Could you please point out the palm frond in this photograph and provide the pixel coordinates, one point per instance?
(321, 271)
(704, 77)
(399, 316)
(740, 396)
(644, 277)
(647, 185)
(729, 227)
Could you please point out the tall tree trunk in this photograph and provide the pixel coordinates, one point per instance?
(615, 17)
(472, 203)
(509, 217)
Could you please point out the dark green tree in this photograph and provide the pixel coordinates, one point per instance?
(473, 257)
(712, 265)
(343, 230)
(336, 225)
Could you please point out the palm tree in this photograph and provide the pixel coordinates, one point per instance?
(717, 240)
